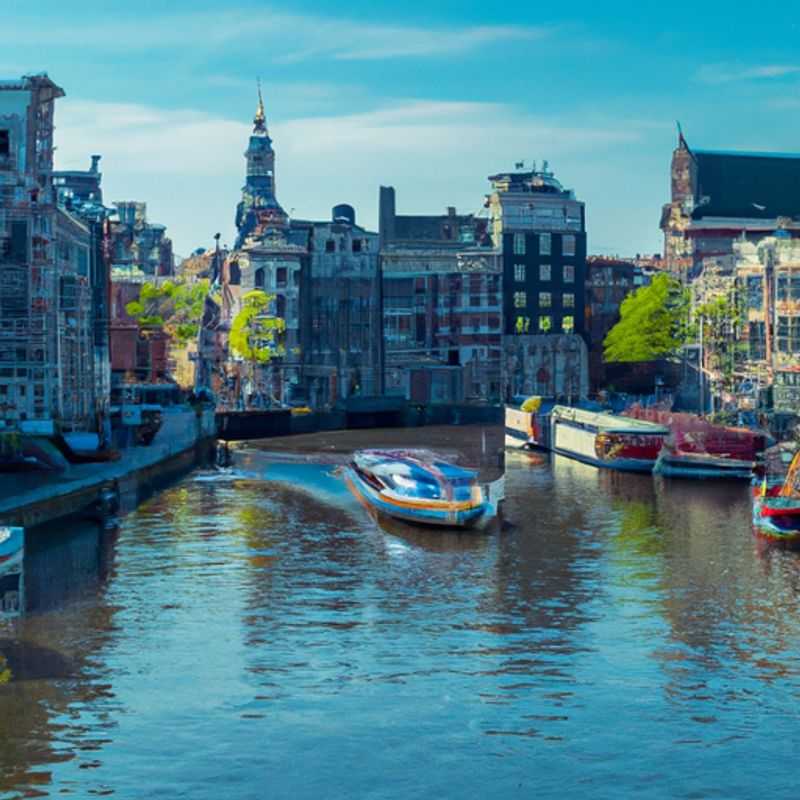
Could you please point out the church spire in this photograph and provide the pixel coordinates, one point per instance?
(260, 119)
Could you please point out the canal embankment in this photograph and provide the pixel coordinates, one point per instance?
(185, 439)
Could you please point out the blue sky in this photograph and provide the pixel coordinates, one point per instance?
(428, 97)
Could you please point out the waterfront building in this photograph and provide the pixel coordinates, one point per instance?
(341, 329)
(720, 197)
(138, 246)
(442, 306)
(539, 227)
(767, 282)
(46, 355)
(548, 365)
(138, 357)
(608, 282)
(80, 194)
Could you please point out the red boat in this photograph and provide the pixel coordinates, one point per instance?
(776, 500)
(697, 448)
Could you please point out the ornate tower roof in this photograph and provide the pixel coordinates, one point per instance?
(260, 119)
(259, 214)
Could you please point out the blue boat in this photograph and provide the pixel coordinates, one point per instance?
(416, 486)
(12, 552)
(12, 548)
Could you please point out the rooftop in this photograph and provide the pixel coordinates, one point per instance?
(746, 185)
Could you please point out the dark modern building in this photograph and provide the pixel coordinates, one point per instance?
(540, 228)
(608, 283)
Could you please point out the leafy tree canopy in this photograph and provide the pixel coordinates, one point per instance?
(652, 323)
(175, 306)
(255, 333)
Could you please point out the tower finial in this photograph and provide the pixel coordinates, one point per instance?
(260, 119)
(682, 144)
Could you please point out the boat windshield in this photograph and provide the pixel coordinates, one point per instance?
(418, 486)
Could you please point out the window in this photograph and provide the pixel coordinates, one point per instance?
(569, 273)
(544, 272)
(356, 245)
(5, 143)
(568, 324)
(520, 300)
(545, 244)
(568, 245)
(545, 323)
(545, 300)
(519, 244)
(330, 246)
(519, 273)
(280, 276)
(258, 278)
(568, 300)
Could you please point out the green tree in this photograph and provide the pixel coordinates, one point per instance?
(256, 334)
(653, 323)
(173, 306)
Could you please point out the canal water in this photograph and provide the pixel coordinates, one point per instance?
(253, 633)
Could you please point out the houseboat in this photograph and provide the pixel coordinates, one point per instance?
(417, 487)
(697, 448)
(12, 551)
(588, 435)
(606, 440)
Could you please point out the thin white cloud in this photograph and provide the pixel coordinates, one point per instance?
(284, 37)
(731, 73)
(189, 166)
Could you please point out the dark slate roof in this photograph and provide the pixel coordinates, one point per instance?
(754, 185)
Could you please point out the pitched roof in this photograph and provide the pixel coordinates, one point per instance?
(751, 185)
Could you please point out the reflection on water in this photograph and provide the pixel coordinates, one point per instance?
(236, 637)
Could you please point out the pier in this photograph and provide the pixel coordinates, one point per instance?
(32, 499)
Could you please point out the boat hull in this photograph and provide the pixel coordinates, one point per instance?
(695, 466)
(448, 515)
(775, 520)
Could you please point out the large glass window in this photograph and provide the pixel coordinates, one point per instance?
(519, 273)
(569, 273)
(544, 272)
(568, 245)
(545, 244)
(519, 244)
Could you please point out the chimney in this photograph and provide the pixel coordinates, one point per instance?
(95, 162)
